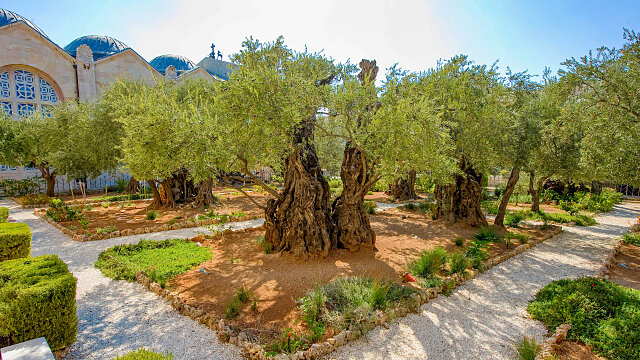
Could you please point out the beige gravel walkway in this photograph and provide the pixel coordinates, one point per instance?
(482, 318)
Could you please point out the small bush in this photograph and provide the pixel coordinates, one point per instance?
(491, 207)
(15, 241)
(602, 314)
(233, 308)
(60, 212)
(38, 299)
(143, 354)
(370, 207)
(410, 206)
(289, 343)
(106, 229)
(23, 187)
(487, 234)
(513, 219)
(152, 215)
(632, 238)
(429, 263)
(459, 241)
(527, 348)
(522, 238)
(266, 246)
(34, 199)
(243, 295)
(458, 263)
(4, 214)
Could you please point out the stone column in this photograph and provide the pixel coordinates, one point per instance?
(171, 73)
(86, 72)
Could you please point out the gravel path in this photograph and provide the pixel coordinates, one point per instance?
(116, 317)
(483, 317)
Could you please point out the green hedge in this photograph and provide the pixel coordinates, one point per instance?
(142, 354)
(4, 214)
(15, 241)
(37, 298)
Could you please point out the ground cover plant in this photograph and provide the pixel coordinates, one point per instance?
(144, 354)
(160, 260)
(4, 214)
(602, 314)
(38, 297)
(580, 220)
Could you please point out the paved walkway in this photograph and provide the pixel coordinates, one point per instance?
(116, 317)
(485, 316)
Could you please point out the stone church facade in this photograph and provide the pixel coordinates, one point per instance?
(36, 73)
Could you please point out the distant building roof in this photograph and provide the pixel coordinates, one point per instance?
(217, 68)
(7, 17)
(101, 46)
(181, 63)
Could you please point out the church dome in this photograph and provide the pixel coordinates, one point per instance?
(101, 46)
(7, 17)
(181, 63)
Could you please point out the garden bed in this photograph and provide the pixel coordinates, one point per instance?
(276, 282)
(113, 219)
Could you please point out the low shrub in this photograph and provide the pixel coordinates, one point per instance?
(4, 214)
(458, 263)
(38, 299)
(59, 211)
(266, 246)
(429, 263)
(522, 238)
(143, 354)
(581, 220)
(15, 241)
(491, 207)
(513, 219)
(23, 187)
(105, 230)
(233, 308)
(349, 302)
(370, 207)
(34, 199)
(487, 234)
(527, 348)
(411, 206)
(602, 314)
(152, 215)
(477, 253)
(165, 259)
(459, 241)
(631, 238)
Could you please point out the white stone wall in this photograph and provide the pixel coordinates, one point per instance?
(126, 64)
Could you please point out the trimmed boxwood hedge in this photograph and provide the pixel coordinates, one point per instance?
(4, 214)
(15, 241)
(37, 298)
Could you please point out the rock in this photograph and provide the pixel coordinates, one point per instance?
(198, 238)
(341, 338)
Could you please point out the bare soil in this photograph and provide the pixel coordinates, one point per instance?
(573, 350)
(548, 208)
(277, 281)
(132, 215)
(626, 270)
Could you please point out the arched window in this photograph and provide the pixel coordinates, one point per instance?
(23, 91)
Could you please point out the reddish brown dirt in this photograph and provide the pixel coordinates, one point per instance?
(132, 215)
(544, 207)
(627, 276)
(572, 350)
(276, 281)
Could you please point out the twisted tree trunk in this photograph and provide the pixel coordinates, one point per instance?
(298, 221)
(205, 198)
(506, 196)
(461, 202)
(132, 186)
(157, 201)
(404, 188)
(353, 229)
(535, 196)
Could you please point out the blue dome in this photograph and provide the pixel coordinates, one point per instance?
(101, 46)
(7, 17)
(181, 63)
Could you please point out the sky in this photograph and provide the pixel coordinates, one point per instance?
(415, 34)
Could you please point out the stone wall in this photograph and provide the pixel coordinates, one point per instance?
(126, 64)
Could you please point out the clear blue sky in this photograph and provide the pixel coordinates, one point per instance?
(523, 35)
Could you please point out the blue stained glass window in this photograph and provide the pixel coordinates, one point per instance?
(47, 110)
(46, 92)
(25, 110)
(5, 85)
(25, 87)
(5, 107)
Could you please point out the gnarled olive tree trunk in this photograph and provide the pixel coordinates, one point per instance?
(506, 196)
(404, 188)
(299, 220)
(536, 192)
(205, 198)
(157, 201)
(132, 186)
(353, 229)
(461, 202)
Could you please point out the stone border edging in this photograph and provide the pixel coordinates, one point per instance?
(256, 351)
(610, 260)
(549, 345)
(138, 231)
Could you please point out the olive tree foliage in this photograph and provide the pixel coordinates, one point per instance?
(78, 140)
(605, 85)
(468, 101)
